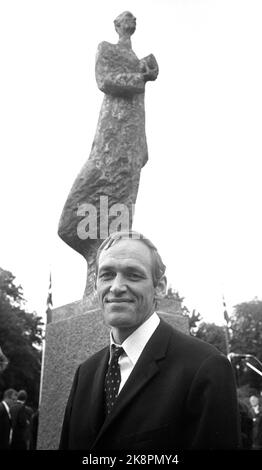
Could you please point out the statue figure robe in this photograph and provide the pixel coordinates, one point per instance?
(119, 149)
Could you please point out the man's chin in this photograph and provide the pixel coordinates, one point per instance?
(119, 319)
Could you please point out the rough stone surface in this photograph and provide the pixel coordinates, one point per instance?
(69, 341)
(118, 153)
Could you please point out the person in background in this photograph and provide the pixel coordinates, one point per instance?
(21, 415)
(246, 425)
(5, 418)
(256, 414)
(34, 430)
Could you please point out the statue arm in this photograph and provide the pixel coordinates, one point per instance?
(111, 76)
(149, 68)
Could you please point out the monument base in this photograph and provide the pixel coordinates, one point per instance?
(73, 335)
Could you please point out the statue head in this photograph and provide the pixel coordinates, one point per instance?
(125, 24)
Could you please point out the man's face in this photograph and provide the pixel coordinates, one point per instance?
(125, 286)
(11, 400)
(254, 401)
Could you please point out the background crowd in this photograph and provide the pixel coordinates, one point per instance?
(18, 422)
(251, 421)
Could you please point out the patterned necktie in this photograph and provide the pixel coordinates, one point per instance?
(113, 378)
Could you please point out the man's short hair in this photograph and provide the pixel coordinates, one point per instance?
(9, 393)
(22, 395)
(158, 267)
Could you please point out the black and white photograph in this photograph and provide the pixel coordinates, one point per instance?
(130, 254)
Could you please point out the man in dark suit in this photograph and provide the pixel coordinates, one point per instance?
(5, 418)
(21, 416)
(175, 391)
(256, 415)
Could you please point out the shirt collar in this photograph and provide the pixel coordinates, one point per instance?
(6, 407)
(135, 343)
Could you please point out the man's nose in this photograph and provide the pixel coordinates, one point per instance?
(118, 285)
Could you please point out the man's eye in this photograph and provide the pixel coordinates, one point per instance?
(134, 276)
(106, 276)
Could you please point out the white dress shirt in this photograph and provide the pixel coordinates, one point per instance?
(133, 346)
(9, 415)
(7, 408)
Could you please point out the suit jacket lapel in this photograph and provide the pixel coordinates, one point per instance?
(96, 406)
(145, 369)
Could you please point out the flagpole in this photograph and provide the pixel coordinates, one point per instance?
(227, 320)
(49, 303)
(227, 339)
(42, 372)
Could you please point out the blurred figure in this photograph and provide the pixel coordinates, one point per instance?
(246, 425)
(5, 418)
(34, 430)
(256, 414)
(254, 405)
(21, 416)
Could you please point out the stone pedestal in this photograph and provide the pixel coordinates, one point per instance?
(73, 335)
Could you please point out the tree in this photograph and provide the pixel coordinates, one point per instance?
(246, 338)
(174, 300)
(193, 319)
(20, 339)
(246, 328)
(9, 292)
(213, 334)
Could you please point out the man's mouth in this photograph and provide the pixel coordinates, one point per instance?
(118, 301)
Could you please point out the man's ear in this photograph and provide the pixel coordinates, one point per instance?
(160, 289)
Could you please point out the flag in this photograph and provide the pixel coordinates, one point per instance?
(49, 300)
(226, 316)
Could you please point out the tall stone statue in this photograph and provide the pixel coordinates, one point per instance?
(109, 180)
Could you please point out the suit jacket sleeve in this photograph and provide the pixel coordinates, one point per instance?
(4, 428)
(64, 439)
(212, 405)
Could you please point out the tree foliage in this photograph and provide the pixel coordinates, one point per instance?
(245, 337)
(20, 340)
(213, 334)
(9, 292)
(246, 328)
(193, 317)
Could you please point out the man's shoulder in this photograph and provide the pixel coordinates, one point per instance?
(16, 409)
(187, 344)
(93, 360)
(17, 406)
(2, 407)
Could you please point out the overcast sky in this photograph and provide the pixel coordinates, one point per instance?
(200, 193)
